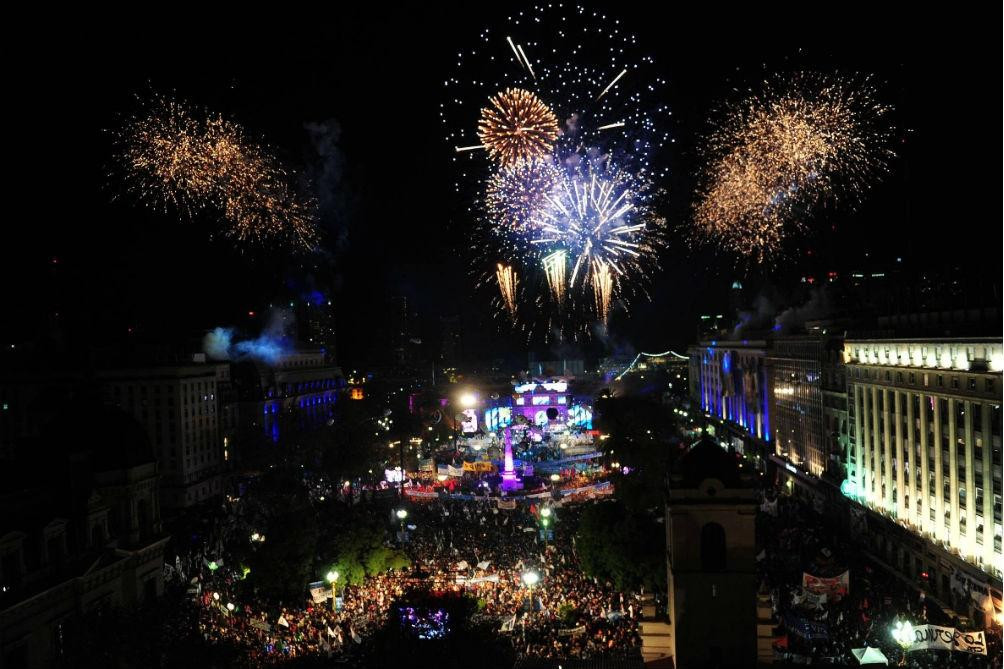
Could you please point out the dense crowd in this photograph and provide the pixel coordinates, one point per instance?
(469, 547)
(795, 539)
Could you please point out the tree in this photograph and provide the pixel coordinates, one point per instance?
(283, 564)
(357, 546)
(643, 437)
(625, 547)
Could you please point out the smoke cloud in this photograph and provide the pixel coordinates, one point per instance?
(270, 346)
(326, 172)
(817, 306)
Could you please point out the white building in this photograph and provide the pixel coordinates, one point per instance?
(925, 446)
(180, 407)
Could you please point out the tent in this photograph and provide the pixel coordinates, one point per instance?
(868, 655)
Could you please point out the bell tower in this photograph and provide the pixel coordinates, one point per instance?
(710, 540)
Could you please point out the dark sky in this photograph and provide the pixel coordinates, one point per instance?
(110, 266)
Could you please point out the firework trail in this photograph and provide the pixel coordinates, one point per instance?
(555, 269)
(507, 281)
(172, 154)
(809, 141)
(603, 285)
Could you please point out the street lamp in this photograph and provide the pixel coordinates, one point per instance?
(546, 512)
(531, 578)
(401, 515)
(230, 607)
(332, 579)
(902, 633)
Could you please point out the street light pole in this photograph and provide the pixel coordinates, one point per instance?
(332, 579)
(401, 515)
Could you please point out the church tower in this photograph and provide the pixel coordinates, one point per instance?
(710, 539)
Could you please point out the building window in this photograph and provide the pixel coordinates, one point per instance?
(713, 551)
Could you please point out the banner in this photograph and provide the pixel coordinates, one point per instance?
(573, 631)
(462, 565)
(319, 592)
(454, 471)
(932, 637)
(809, 599)
(507, 504)
(974, 643)
(427, 465)
(935, 637)
(421, 494)
(806, 629)
(978, 591)
(835, 586)
(260, 625)
(491, 578)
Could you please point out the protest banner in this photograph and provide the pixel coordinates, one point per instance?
(806, 629)
(319, 591)
(834, 586)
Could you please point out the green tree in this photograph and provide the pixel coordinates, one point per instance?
(625, 547)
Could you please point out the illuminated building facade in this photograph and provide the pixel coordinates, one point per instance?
(533, 399)
(729, 381)
(795, 390)
(297, 391)
(925, 448)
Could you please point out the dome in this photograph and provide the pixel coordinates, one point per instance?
(113, 438)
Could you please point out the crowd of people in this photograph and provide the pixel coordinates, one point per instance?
(823, 630)
(470, 547)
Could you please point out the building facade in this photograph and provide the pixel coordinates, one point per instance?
(80, 531)
(925, 446)
(808, 397)
(729, 382)
(296, 392)
(179, 405)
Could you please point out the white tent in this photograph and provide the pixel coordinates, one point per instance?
(868, 655)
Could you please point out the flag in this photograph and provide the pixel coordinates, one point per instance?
(330, 631)
(484, 564)
(282, 621)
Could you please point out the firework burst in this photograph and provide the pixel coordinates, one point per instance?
(514, 194)
(587, 72)
(517, 128)
(603, 217)
(798, 145)
(172, 154)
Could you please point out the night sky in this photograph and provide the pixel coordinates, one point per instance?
(114, 270)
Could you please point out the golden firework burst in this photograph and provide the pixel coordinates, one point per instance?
(517, 127)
